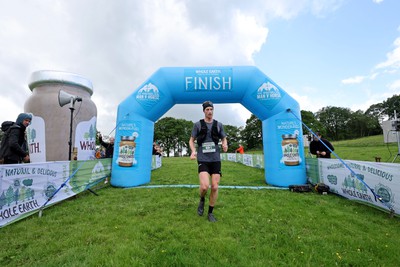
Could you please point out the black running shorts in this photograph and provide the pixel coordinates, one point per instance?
(210, 167)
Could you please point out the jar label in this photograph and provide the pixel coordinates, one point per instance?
(291, 154)
(126, 155)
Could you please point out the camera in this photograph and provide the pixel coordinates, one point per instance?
(396, 125)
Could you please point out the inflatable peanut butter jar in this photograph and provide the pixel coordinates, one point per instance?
(49, 133)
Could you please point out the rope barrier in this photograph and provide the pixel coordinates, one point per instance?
(62, 185)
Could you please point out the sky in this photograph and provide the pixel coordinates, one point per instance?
(342, 53)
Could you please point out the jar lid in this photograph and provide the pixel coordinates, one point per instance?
(53, 76)
(127, 138)
(289, 136)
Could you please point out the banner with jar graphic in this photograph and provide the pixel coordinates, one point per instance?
(290, 134)
(383, 178)
(125, 147)
(131, 153)
(288, 155)
(25, 188)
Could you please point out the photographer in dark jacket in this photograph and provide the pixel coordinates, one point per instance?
(109, 147)
(319, 149)
(17, 151)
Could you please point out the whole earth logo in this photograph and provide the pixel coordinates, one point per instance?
(384, 192)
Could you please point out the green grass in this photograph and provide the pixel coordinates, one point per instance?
(366, 149)
(184, 170)
(363, 149)
(160, 227)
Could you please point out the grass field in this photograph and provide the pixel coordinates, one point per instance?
(160, 227)
(366, 149)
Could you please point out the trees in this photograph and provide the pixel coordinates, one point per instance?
(335, 123)
(173, 134)
(386, 109)
(362, 124)
(377, 111)
(311, 121)
(391, 105)
(184, 130)
(341, 123)
(234, 137)
(252, 133)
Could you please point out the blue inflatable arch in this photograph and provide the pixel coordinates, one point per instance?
(282, 131)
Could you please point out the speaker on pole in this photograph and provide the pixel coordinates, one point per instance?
(63, 99)
(66, 98)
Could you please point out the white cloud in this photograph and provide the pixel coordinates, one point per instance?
(308, 98)
(320, 8)
(377, 1)
(251, 35)
(118, 44)
(395, 87)
(392, 58)
(373, 76)
(353, 80)
(374, 97)
(304, 102)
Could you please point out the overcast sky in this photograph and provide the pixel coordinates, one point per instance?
(342, 53)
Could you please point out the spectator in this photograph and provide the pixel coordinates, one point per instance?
(240, 149)
(16, 150)
(109, 147)
(156, 149)
(321, 149)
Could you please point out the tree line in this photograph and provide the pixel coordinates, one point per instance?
(334, 123)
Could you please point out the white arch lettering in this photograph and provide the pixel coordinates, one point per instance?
(208, 79)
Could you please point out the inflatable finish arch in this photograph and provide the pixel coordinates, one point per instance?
(282, 132)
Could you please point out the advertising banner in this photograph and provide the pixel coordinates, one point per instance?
(85, 140)
(36, 139)
(382, 178)
(247, 85)
(251, 160)
(25, 188)
(156, 162)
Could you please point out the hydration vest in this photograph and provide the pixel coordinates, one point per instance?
(203, 132)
